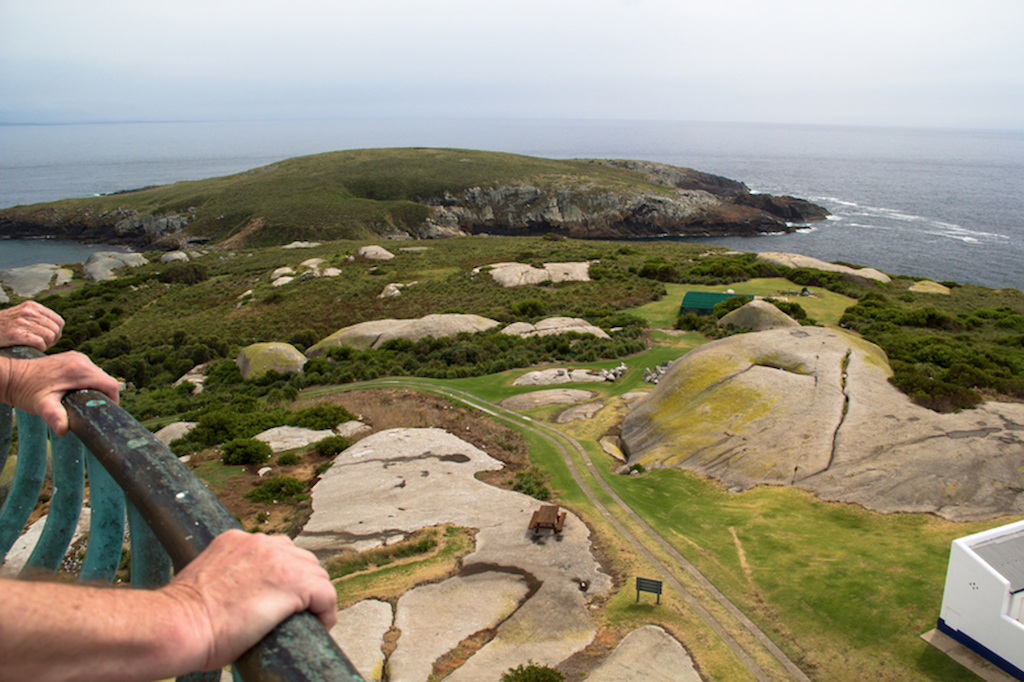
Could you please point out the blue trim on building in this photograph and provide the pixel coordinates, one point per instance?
(980, 649)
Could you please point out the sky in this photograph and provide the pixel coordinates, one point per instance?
(913, 63)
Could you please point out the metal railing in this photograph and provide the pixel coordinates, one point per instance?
(172, 518)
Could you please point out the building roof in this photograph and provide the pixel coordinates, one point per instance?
(1005, 554)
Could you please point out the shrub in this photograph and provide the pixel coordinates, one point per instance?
(532, 672)
(727, 306)
(322, 416)
(277, 489)
(532, 482)
(794, 310)
(288, 459)
(184, 273)
(246, 451)
(529, 308)
(332, 445)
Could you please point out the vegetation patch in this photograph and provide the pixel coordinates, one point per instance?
(947, 352)
(277, 489)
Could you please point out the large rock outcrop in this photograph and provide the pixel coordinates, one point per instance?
(259, 358)
(813, 407)
(375, 333)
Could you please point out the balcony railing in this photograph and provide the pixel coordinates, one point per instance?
(172, 517)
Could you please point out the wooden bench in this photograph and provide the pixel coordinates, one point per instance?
(547, 517)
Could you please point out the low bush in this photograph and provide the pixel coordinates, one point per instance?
(532, 672)
(277, 489)
(331, 446)
(246, 451)
(533, 483)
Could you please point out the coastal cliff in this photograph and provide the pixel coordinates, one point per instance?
(419, 193)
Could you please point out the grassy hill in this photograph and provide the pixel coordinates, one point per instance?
(338, 195)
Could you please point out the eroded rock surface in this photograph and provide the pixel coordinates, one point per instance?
(387, 485)
(813, 407)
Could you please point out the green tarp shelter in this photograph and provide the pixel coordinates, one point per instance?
(703, 303)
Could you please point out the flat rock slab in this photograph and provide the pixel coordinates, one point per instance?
(547, 377)
(400, 480)
(523, 274)
(551, 396)
(554, 326)
(281, 438)
(579, 412)
(464, 605)
(174, 257)
(21, 550)
(360, 633)
(794, 260)
(352, 429)
(929, 287)
(174, 431)
(101, 265)
(374, 252)
(611, 447)
(32, 279)
(377, 332)
(649, 654)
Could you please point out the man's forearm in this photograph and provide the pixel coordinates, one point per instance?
(69, 632)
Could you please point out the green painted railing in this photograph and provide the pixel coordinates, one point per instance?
(172, 517)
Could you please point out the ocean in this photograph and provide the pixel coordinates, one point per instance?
(943, 204)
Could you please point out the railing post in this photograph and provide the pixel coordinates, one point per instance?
(65, 508)
(28, 479)
(106, 525)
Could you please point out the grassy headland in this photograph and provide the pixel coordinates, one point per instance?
(353, 194)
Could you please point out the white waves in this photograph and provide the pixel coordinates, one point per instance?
(866, 217)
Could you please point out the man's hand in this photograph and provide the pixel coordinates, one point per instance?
(38, 385)
(30, 324)
(241, 587)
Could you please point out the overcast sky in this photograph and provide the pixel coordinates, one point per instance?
(932, 63)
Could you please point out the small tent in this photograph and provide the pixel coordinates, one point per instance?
(702, 302)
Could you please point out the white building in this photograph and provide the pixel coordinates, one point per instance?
(984, 596)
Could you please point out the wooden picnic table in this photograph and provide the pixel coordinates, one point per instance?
(547, 517)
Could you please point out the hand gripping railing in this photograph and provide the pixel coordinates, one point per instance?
(164, 497)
